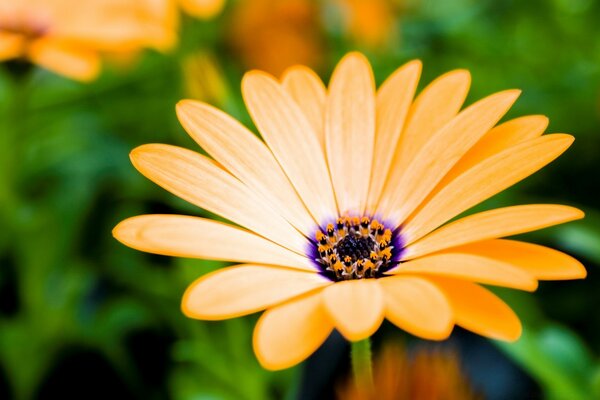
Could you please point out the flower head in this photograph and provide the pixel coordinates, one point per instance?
(422, 373)
(272, 35)
(68, 37)
(343, 208)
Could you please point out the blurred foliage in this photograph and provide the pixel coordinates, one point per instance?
(75, 305)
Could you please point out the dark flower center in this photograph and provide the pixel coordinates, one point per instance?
(355, 248)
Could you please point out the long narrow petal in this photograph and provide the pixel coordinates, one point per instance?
(493, 224)
(441, 152)
(307, 89)
(245, 289)
(469, 267)
(496, 140)
(197, 179)
(485, 180)
(350, 131)
(392, 104)
(542, 262)
(286, 335)
(433, 108)
(356, 307)
(290, 136)
(186, 236)
(245, 156)
(417, 306)
(479, 310)
(68, 60)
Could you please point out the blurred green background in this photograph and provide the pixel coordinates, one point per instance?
(83, 316)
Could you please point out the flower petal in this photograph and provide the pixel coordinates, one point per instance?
(197, 179)
(290, 136)
(441, 152)
(479, 310)
(245, 289)
(350, 131)
(356, 307)
(542, 262)
(492, 224)
(484, 180)
(433, 108)
(286, 335)
(307, 89)
(392, 104)
(496, 140)
(417, 306)
(186, 236)
(469, 267)
(64, 59)
(246, 157)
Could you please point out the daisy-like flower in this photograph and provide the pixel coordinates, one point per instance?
(68, 37)
(343, 209)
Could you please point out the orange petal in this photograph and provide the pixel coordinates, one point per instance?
(496, 140)
(485, 180)
(479, 310)
(291, 138)
(286, 335)
(469, 267)
(493, 224)
(433, 108)
(11, 45)
(441, 152)
(197, 179)
(541, 262)
(245, 289)
(417, 306)
(245, 156)
(185, 236)
(356, 307)
(392, 104)
(305, 86)
(350, 131)
(202, 8)
(68, 60)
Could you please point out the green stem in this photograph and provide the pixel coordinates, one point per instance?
(362, 367)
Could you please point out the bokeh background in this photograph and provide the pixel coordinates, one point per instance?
(82, 316)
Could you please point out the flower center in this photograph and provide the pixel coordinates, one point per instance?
(355, 248)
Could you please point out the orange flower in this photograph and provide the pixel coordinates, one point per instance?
(427, 374)
(342, 208)
(272, 35)
(68, 36)
(370, 23)
(204, 9)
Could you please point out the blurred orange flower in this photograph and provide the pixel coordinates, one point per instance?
(68, 37)
(428, 374)
(272, 35)
(202, 8)
(368, 23)
(346, 204)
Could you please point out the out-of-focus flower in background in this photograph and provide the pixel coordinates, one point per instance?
(368, 23)
(424, 374)
(204, 78)
(272, 35)
(204, 9)
(69, 37)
